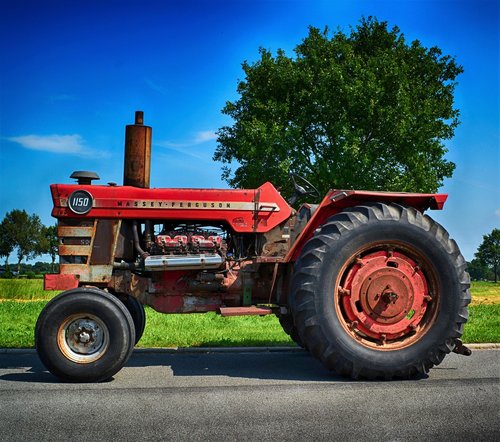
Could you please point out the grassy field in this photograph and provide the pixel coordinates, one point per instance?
(22, 300)
(24, 289)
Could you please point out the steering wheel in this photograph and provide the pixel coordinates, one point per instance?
(301, 190)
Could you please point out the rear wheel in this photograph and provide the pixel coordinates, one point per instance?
(286, 322)
(84, 335)
(380, 291)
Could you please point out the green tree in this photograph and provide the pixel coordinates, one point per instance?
(365, 110)
(49, 243)
(6, 245)
(23, 231)
(488, 252)
(477, 270)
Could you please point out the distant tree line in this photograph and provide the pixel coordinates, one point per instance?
(486, 262)
(25, 234)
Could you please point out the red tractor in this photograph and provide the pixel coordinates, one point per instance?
(363, 280)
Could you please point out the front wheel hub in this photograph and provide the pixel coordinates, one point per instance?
(83, 338)
(388, 295)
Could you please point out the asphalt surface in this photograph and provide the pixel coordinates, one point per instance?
(279, 395)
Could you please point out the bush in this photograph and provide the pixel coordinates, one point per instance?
(6, 275)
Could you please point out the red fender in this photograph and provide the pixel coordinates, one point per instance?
(337, 200)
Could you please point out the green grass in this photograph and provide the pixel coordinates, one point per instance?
(194, 330)
(18, 321)
(210, 329)
(25, 289)
(22, 300)
(485, 292)
(483, 324)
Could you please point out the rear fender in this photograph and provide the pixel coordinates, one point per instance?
(337, 200)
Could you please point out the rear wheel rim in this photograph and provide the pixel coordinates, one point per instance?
(83, 338)
(386, 296)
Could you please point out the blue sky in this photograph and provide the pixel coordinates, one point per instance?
(73, 73)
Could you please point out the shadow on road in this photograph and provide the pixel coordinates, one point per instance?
(283, 365)
(297, 365)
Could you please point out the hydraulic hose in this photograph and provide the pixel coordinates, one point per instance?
(137, 243)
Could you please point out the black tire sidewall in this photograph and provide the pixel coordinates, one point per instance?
(416, 238)
(85, 301)
(136, 310)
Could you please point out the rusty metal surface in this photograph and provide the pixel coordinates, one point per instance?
(128, 283)
(186, 303)
(75, 222)
(137, 163)
(71, 250)
(99, 274)
(77, 232)
(125, 244)
(245, 311)
(104, 242)
(276, 241)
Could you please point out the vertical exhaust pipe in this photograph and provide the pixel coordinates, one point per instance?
(137, 164)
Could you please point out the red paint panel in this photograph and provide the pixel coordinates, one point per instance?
(59, 282)
(245, 311)
(246, 210)
(337, 200)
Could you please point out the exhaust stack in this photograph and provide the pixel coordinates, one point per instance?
(137, 164)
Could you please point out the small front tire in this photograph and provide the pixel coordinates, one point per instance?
(84, 335)
(136, 310)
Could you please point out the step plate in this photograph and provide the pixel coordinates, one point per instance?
(245, 311)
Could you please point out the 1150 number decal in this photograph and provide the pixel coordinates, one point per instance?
(80, 202)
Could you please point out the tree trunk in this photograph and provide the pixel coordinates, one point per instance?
(19, 266)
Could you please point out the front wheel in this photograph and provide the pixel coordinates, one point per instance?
(380, 291)
(136, 310)
(84, 335)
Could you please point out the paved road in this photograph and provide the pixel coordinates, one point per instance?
(249, 396)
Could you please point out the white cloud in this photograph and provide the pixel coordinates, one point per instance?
(61, 144)
(179, 148)
(203, 136)
(186, 148)
(497, 212)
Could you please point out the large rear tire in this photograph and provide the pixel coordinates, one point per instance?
(380, 291)
(286, 322)
(84, 335)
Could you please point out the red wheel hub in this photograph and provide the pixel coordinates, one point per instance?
(384, 295)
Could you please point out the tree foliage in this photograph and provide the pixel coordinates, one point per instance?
(23, 232)
(478, 271)
(360, 110)
(6, 245)
(49, 243)
(488, 252)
